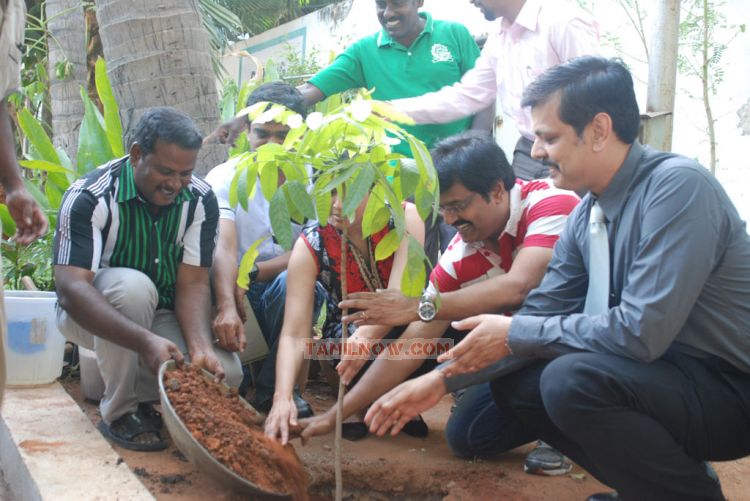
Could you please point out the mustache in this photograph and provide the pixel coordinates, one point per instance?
(548, 163)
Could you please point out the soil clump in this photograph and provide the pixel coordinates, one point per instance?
(228, 429)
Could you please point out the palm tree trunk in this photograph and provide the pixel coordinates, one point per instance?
(158, 55)
(66, 46)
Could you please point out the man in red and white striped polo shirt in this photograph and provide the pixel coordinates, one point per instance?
(506, 231)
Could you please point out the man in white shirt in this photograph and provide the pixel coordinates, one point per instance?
(238, 230)
(527, 37)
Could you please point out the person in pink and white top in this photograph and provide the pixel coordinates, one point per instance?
(506, 231)
(526, 38)
(538, 212)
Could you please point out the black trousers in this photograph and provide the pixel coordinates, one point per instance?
(644, 429)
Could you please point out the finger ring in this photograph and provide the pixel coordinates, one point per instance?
(364, 316)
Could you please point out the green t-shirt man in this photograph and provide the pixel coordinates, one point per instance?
(439, 56)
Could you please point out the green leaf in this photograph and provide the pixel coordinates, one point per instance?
(112, 124)
(323, 207)
(415, 275)
(376, 214)
(246, 264)
(36, 135)
(301, 199)
(280, 221)
(409, 177)
(387, 246)
(9, 225)
(54, 195)
(271, 71)
(37, 194)
(269, 179)
(358, 189)
(93, 146)
(45, 166)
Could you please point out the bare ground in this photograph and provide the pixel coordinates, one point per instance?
(400, 468)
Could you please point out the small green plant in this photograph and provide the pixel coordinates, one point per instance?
(52, 172)
(348, 150)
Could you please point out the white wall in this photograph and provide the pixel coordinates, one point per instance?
(332, 28)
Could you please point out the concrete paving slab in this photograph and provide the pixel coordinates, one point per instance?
(49, 450)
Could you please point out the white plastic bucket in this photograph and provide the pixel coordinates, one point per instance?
(35, 347)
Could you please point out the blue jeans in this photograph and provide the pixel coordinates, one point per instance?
(477, 428)
(267, 300)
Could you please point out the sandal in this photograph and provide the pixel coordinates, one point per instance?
(416, 427)
(126, 430)
(148, 413)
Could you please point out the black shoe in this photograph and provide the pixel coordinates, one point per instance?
(545, 460)
(604, 496)
(303, 408)
(416, 428)
(354, 431)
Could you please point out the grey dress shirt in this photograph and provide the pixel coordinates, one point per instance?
(680, 274)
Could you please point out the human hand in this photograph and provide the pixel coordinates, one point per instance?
(208, 360)
(403, 403)
(31, 223)
(484, 345)
(350, 365)
(318, 425)
(228, 330)
(281, 419)
(158, 350)
(239, 302)
(384, 307)
(227, 132)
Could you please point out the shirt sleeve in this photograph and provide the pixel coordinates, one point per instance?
(12, 22)
(678, 231)
(78, 236)
(344, 73)
(476, 90)
(220, 180)
(546, 219)
(200, 237)
(579, 36)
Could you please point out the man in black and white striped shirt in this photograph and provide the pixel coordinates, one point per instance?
(133, 248)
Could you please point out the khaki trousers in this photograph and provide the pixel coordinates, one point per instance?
(127, 381)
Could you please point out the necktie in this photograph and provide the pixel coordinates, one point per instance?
(597, 297)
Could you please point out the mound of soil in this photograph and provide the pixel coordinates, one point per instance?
(228, 430)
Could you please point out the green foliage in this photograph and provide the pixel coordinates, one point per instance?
(31, 261)
(52, 172)
(347, 150)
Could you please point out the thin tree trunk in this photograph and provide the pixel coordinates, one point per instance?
(706, 88)
(158, 55)
(342, 388)
(66, 43)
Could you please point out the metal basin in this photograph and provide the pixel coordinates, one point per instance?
(199, 455)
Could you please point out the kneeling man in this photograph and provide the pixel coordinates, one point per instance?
(132, 252)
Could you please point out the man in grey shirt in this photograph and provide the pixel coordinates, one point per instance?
(643, 393)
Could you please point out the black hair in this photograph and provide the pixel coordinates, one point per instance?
(589, 85)
(279, 93)
(474, 159)
(168, 124)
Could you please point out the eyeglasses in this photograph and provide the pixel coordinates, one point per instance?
(457, 207)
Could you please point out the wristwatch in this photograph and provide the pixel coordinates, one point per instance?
(429, 304)
(254, 271)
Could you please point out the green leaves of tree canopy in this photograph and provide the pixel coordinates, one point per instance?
(347, 147)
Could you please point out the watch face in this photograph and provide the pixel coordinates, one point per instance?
(426, 311)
